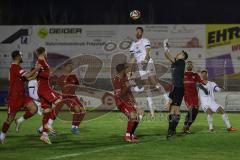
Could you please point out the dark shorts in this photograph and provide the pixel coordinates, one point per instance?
(177, 96)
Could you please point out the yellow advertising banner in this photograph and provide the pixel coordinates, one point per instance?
(222, 34)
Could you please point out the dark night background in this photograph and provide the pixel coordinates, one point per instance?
(16, 12)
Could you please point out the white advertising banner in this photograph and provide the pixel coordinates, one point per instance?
(204, 43)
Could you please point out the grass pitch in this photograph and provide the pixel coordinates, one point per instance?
(102, 139)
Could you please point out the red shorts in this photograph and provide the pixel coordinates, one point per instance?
(191, 101)
(15, 104)
(127, 108)
(47, 97)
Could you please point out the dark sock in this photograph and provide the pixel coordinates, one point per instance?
(188, 118)
(176, 120)
(170, 123)
(194, 116)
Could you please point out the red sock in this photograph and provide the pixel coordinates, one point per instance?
(135, 126)
(77, 118)
(5, 127)
(46, 117)
(130, 126)
(53, 114)
(27, 114)
(56, 110)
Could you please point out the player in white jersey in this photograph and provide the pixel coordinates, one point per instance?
(140, 51)
(33, 93)
(208, 103)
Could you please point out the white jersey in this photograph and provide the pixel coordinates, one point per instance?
(33, 89)
(208, 101)
(211, 87)
(138, 49)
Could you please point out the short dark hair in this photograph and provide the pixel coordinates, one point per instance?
(189, 61)
(139, 28)
(15, 54)
(40, 51)
(185, 55)
(120, 67)
(204, 71)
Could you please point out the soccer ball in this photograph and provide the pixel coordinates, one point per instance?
(135, 14)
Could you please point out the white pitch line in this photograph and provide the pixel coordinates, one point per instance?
(94, 151)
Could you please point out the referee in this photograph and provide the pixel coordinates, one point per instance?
(176, 95)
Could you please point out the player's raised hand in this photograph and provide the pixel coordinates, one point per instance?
(166, 45)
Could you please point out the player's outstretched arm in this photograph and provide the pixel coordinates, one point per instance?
(34, 76)
(32, 73)
(167, 52)
(148, 55)
(147, 46)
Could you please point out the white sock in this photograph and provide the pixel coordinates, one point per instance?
(137, 89)
(50, 122)
(140, 117)
(41, 128)
(73, 126)
(150, 104)
(166, 97)
(210, 121)
(20, 120)
(2, 135)
(45, 134)
(226, 120)
(128, 134)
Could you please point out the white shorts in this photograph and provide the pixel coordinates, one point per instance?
(207, 103)
(147, 72)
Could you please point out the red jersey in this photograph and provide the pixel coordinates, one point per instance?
(67, 84)
(190, 80)
(43, 74)
(122, 93)
(16, 81)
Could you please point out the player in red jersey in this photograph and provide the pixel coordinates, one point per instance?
(191, 80)
(48, 98)
(67, 83)
(125, 101)
(17, 99)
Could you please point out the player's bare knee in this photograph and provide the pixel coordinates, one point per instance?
(133, 116)
(10, 118)
(47, 110)
(32, 108)
(57, 101)
(209, 111)
(77, 109)
(220, 110)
